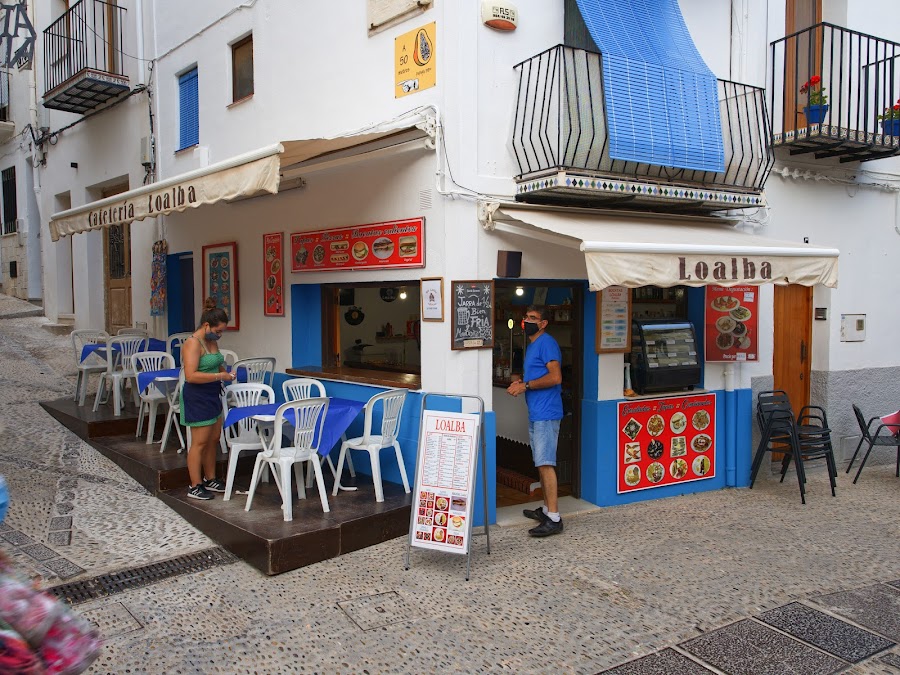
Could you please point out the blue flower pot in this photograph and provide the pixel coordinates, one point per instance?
(815, 114)
(891, 127)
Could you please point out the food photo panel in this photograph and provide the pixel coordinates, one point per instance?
(666, 441)
(220, 280)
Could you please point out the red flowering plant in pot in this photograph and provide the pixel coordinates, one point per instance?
(817, 101)
(890, 119)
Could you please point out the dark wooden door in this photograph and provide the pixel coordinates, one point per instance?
(793, 337)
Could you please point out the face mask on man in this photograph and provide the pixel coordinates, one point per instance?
(531, 328)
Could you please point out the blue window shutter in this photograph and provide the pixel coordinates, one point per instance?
(188, 109)
(661, 98)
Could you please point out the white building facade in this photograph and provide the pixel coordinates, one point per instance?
(449, 152)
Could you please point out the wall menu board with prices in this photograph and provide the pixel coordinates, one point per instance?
(472, 314)
(732, 323)
(445, 481)
(395, 244)
(663, 441)
(614, 319)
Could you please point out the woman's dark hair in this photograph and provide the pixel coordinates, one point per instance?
(212, 314)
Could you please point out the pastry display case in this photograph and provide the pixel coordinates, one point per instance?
(664, 356)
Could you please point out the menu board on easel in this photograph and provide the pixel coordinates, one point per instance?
(613, 320)
(445, 481)
(472, 314)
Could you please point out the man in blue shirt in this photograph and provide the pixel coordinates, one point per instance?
(542, 386)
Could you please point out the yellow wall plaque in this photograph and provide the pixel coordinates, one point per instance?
(415, 61)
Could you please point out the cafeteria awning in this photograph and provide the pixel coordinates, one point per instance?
(250, 174)
(656, 250)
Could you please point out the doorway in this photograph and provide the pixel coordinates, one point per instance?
(792, 337)
(517, 477)
(117, 268)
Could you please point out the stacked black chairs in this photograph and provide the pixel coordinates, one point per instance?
(886, 435)
(800, 439)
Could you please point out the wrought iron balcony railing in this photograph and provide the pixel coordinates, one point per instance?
(829, 87)
(561, 125)
(83, 57)
(5, 114)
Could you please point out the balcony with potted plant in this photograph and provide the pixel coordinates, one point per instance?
(833, 92)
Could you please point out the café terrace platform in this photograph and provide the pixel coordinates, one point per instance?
(260, 537)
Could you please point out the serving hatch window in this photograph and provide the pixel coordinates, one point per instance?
(373, 326)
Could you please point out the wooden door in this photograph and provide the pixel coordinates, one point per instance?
(117, 268)
(793, 337)
(801, 56)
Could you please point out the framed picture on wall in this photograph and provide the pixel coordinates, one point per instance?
(433, 299)
(220, 280)
(273, 274)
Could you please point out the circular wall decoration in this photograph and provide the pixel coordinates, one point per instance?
(388, 294)
(354, 316)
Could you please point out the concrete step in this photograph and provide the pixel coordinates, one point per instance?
(58, 328)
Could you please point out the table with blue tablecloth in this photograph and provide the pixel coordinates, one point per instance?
(151, 345)
(339, 416)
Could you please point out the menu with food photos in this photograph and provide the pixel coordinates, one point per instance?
(732, 323)
(394, 244)
(663, 441)
(445, 481)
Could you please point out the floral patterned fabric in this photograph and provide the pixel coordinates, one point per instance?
(158, 279)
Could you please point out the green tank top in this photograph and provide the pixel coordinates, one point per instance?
(210, 363)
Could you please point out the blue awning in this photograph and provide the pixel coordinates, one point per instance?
(661, 98)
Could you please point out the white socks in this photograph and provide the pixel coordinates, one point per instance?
(555, 517)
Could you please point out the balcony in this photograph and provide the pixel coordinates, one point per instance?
(859, 77)
(83, 59)
(561, 144)
(7, 125)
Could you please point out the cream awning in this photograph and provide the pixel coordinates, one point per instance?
(658, 251)
(251, 174)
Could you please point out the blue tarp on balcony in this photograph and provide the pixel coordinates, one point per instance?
(661, 98)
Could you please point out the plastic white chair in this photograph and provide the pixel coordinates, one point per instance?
(94, 363)
(300, 388)
(152, 397)
(242, 436)
(392, 402)
(230, 357)
(172, 417)
(143, 332)
(310, 418)
(260, 370)
(118, 373)
(176, 340)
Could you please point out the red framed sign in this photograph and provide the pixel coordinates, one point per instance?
(394, 244)
(663, 441)
(273, 274)
(732, 323)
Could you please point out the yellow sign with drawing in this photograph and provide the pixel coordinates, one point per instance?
(414, 61)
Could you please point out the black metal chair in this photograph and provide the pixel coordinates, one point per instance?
(803, 439)
(887, 439)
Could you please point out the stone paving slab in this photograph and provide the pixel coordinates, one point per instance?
(826, 632)
(748, 648)
(875, 607)
(665, 662)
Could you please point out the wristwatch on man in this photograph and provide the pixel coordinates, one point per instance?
(527, 386)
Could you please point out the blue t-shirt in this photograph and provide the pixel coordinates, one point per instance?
(543, 404)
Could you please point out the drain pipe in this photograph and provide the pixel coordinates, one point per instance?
(730, 425)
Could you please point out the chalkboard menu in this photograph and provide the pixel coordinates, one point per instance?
(472, 314)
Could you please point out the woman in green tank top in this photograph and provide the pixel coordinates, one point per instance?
(201, 403)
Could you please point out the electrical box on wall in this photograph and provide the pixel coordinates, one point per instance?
(853, 327)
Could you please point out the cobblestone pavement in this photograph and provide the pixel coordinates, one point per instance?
(735, 581)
